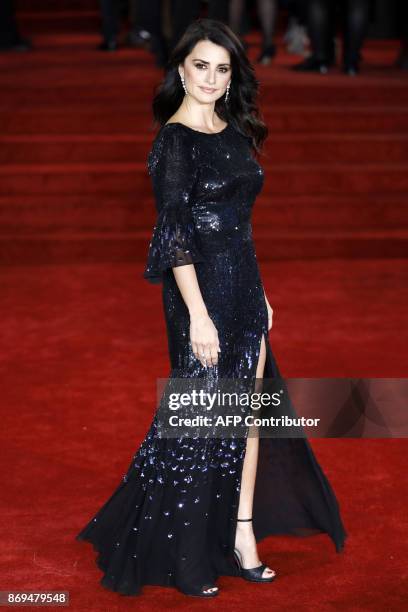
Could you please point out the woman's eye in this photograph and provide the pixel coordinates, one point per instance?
(203, 66)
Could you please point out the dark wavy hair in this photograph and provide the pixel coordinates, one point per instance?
(241, 108)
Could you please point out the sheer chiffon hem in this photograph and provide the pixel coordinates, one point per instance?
(174, 243)
(301, 502)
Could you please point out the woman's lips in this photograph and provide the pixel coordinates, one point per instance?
(207, 90)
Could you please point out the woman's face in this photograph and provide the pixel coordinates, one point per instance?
(206, 71)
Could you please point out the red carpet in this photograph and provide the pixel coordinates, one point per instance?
(84, 336)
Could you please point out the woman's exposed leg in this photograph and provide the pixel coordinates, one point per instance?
(244, 538)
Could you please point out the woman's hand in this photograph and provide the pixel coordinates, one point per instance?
(270, 312)
(204, 339)
(203, 334)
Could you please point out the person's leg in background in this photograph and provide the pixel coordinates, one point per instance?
(138, 34)
(146, 29)
(236, 9)
(267, 13)
(298, 8)
(183, 13)
(218, 9)
(402, 16)
(110, 13)
(235, 19)
(10, 39)
(320, 27)
(356, 16)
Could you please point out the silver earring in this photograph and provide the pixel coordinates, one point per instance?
(184, 87)
(227, 92)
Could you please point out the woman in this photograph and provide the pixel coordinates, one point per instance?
(192, 509)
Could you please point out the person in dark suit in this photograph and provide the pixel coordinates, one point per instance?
(10, 38)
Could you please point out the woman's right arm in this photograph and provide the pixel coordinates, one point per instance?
(175, 243)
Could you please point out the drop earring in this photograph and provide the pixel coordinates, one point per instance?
(184, 86)
(227, 92)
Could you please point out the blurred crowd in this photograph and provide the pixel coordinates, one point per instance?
(312, 28)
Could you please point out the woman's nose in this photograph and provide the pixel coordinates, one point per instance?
(211, 79)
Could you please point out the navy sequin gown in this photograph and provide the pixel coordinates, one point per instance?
(171, 520)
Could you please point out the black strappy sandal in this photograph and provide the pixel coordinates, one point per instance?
(253, 574)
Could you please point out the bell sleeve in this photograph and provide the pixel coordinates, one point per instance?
(173, 170)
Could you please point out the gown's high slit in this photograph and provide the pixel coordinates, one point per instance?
(172, 519)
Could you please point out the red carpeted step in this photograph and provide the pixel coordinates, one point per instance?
(59, 21)
(40, 6)
(378, 211)
(110, 85)
(62, 48)
(87, 119)
(285, 179)
(321, 244)
(39, 214)
(71, 49)
(281, 148)
(129, 247)
(344, 120)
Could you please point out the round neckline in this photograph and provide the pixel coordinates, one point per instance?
(199, 131)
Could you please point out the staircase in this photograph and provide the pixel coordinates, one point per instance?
(76, 128)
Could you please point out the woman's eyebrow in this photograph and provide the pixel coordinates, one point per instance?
(204, 62)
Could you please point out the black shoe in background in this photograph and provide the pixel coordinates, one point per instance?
(402, 59)
(108, 45)
(267, 54)
(155, 43)
(311, 64)
(19, 46)
(352, 69)
(138, 38)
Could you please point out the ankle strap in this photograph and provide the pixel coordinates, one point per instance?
(244, 519)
